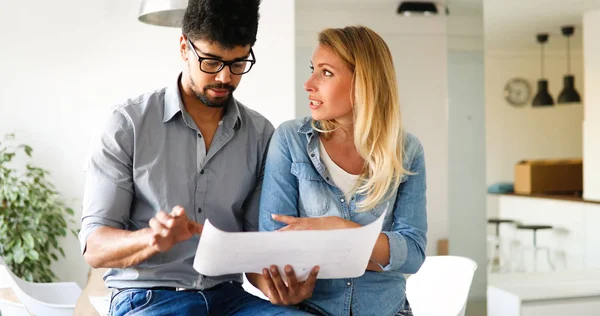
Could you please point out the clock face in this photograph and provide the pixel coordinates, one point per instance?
(517, 91)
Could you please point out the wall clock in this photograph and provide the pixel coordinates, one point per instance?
(517, 91)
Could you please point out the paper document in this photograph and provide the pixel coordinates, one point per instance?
(341, 253)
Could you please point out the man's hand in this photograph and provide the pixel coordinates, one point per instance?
(294, 292)
(316, 223)
(170, 229)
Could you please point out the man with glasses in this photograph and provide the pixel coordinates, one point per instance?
(168, 160)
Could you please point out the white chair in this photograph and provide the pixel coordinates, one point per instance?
(441, 286)
(43, 299)
(9, 308)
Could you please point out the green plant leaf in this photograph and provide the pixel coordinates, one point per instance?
(18, 255)
(28, 150)
(28, 239)
(33, 215)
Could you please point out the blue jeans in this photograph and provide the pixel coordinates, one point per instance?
(228, 298)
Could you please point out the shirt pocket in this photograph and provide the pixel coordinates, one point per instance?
(313, 196)
(378, 210)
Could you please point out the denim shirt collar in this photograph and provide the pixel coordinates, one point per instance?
(312, 148)
(306, 127)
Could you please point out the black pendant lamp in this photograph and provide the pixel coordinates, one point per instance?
(568, 94)
(419, 8)
(543, 97)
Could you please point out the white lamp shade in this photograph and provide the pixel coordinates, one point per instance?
(163, 12)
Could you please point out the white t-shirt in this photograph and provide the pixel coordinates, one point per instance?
(343, 180)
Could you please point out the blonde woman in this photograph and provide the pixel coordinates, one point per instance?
(341, 168)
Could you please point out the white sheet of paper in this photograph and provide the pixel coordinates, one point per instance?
(341, 253)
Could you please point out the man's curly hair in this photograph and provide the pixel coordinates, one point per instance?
(228, 23)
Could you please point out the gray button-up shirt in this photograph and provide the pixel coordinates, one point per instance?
(151, 157)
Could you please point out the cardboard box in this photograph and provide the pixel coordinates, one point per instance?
(549, 176)
(442, 247)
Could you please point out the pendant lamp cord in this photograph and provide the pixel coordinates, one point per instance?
(542, 61)
(569, 55)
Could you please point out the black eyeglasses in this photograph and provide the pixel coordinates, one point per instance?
(214, 65)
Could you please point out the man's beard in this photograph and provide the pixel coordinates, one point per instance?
(218, 102)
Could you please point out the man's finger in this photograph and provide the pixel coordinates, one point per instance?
(164, 219)
(177, 211)
(156, 226)
(280, 285)
(293, 287)
(309, 284)
(273, 293)
(196, 228)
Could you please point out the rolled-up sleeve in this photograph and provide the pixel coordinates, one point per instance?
(408, 237)
(280, 187)
(108, 188)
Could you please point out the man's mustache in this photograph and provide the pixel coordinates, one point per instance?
(220, 86)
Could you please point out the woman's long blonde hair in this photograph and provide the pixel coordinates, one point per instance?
(378, 134)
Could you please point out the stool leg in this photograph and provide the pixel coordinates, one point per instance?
(549, 260)
(522, 267)
(535, 250)
(514, 256)
(490, 258)
(496, 259)
(494, 255)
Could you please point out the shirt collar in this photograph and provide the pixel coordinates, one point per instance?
(174, 104)
(306, 127)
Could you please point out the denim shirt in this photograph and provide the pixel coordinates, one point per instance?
(297, 183)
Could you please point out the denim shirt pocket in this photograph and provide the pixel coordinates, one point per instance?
(378, 210)
(313, 197)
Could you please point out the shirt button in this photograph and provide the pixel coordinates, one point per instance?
(312, 155)
(199, 210)
(220, 122)
(349, 283)
(199, 135)
(342, 200)
(202, 171)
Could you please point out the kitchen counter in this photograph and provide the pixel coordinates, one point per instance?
(563, 197)
(573, 239)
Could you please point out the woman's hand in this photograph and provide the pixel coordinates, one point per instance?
(316, 223)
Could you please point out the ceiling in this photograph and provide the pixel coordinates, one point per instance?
(513, 24)
(508, 24)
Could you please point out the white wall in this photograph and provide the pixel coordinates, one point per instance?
(466, 143)
(419, 47)
(64, 65)
(513, 134)
(591, 129)
(466, 185)
(516, 133)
